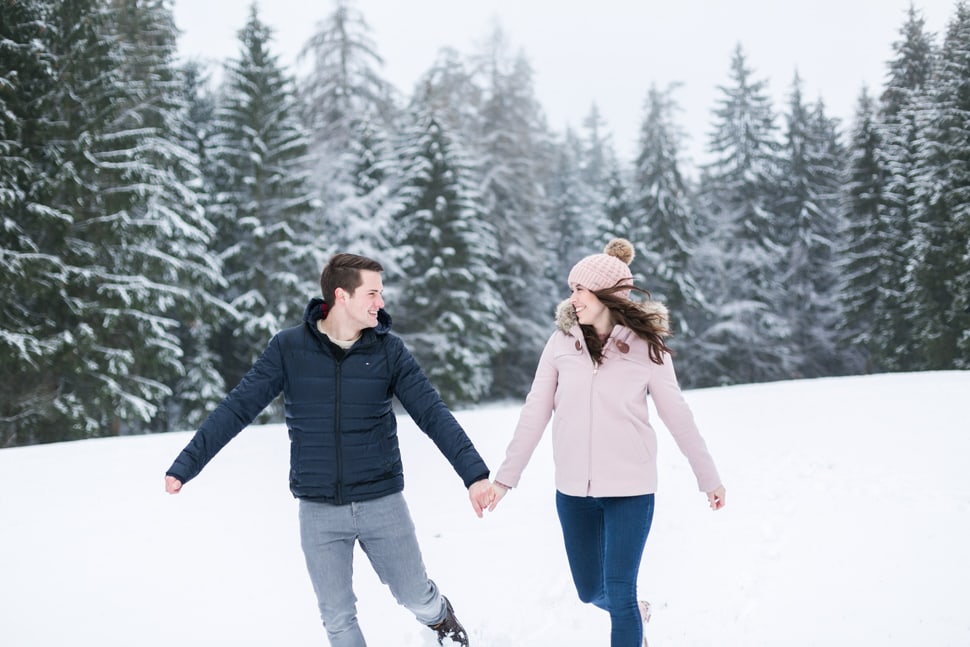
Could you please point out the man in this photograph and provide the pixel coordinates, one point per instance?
(338, 372)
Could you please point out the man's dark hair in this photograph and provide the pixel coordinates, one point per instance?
(343, 271)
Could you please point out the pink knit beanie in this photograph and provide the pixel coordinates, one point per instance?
(605, 270)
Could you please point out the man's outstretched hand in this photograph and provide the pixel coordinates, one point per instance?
(172, 485)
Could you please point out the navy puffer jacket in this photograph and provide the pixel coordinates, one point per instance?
(343, 431)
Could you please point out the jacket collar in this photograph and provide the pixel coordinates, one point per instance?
(316, 309)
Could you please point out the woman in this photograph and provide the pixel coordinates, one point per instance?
(595, 373)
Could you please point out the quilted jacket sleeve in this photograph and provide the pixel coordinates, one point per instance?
(429, 412)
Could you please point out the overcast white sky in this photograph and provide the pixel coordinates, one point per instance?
(609, 51)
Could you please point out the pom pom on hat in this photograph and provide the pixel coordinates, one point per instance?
(601, 271)
(621, 248)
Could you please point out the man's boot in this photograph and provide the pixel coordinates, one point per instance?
(449, 627)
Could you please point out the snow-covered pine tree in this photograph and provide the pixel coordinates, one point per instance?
(450, 311)
(359, 219)
(602, 180)
(598, 152)
(902, 103)
(202, 383)
(576, 208)
(103, 289)
(667, 231)
(618, 206)
(30, 275)
(451, 87)
(910, 69)
(808, 219)
(262, 206)
(862, 242)
(516, 148)
(177, 252)
(201, 100)
(578, 194)
(831, 157)
(20, 62)
(749, 340)
(344, 84)
(350, 111)
(81, 116)
(940, 258)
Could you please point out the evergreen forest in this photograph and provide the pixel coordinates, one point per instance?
(160, 220)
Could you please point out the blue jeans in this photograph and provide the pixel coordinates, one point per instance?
(385, 531)
(604, 540)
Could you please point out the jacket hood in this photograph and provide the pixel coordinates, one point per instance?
(317, 309)
(566, 318)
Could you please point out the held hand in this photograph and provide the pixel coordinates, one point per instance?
(716, 498)
(172, 485)
(481, 496)
(498, 491)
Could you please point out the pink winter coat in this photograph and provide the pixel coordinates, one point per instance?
(603, 442)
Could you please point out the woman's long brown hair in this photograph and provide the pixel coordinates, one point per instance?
(649, 326)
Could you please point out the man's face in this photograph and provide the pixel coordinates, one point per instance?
(366, 300)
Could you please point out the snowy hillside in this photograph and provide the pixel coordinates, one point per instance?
(847, 523)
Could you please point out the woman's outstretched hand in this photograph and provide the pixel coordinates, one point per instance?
(716, 498)
(498, 491)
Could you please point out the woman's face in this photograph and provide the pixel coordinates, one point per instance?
(589, 309)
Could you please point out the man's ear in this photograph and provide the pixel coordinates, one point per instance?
(341, 294)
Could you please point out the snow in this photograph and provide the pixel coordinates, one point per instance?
(847, 523)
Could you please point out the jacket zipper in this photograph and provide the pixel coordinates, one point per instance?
(589, 453)
(338, 444)
(596, 370)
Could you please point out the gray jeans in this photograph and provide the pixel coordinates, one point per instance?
(386, 533)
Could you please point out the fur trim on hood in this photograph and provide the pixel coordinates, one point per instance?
(566, 316)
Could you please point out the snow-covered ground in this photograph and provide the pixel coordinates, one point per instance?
(848, 523)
